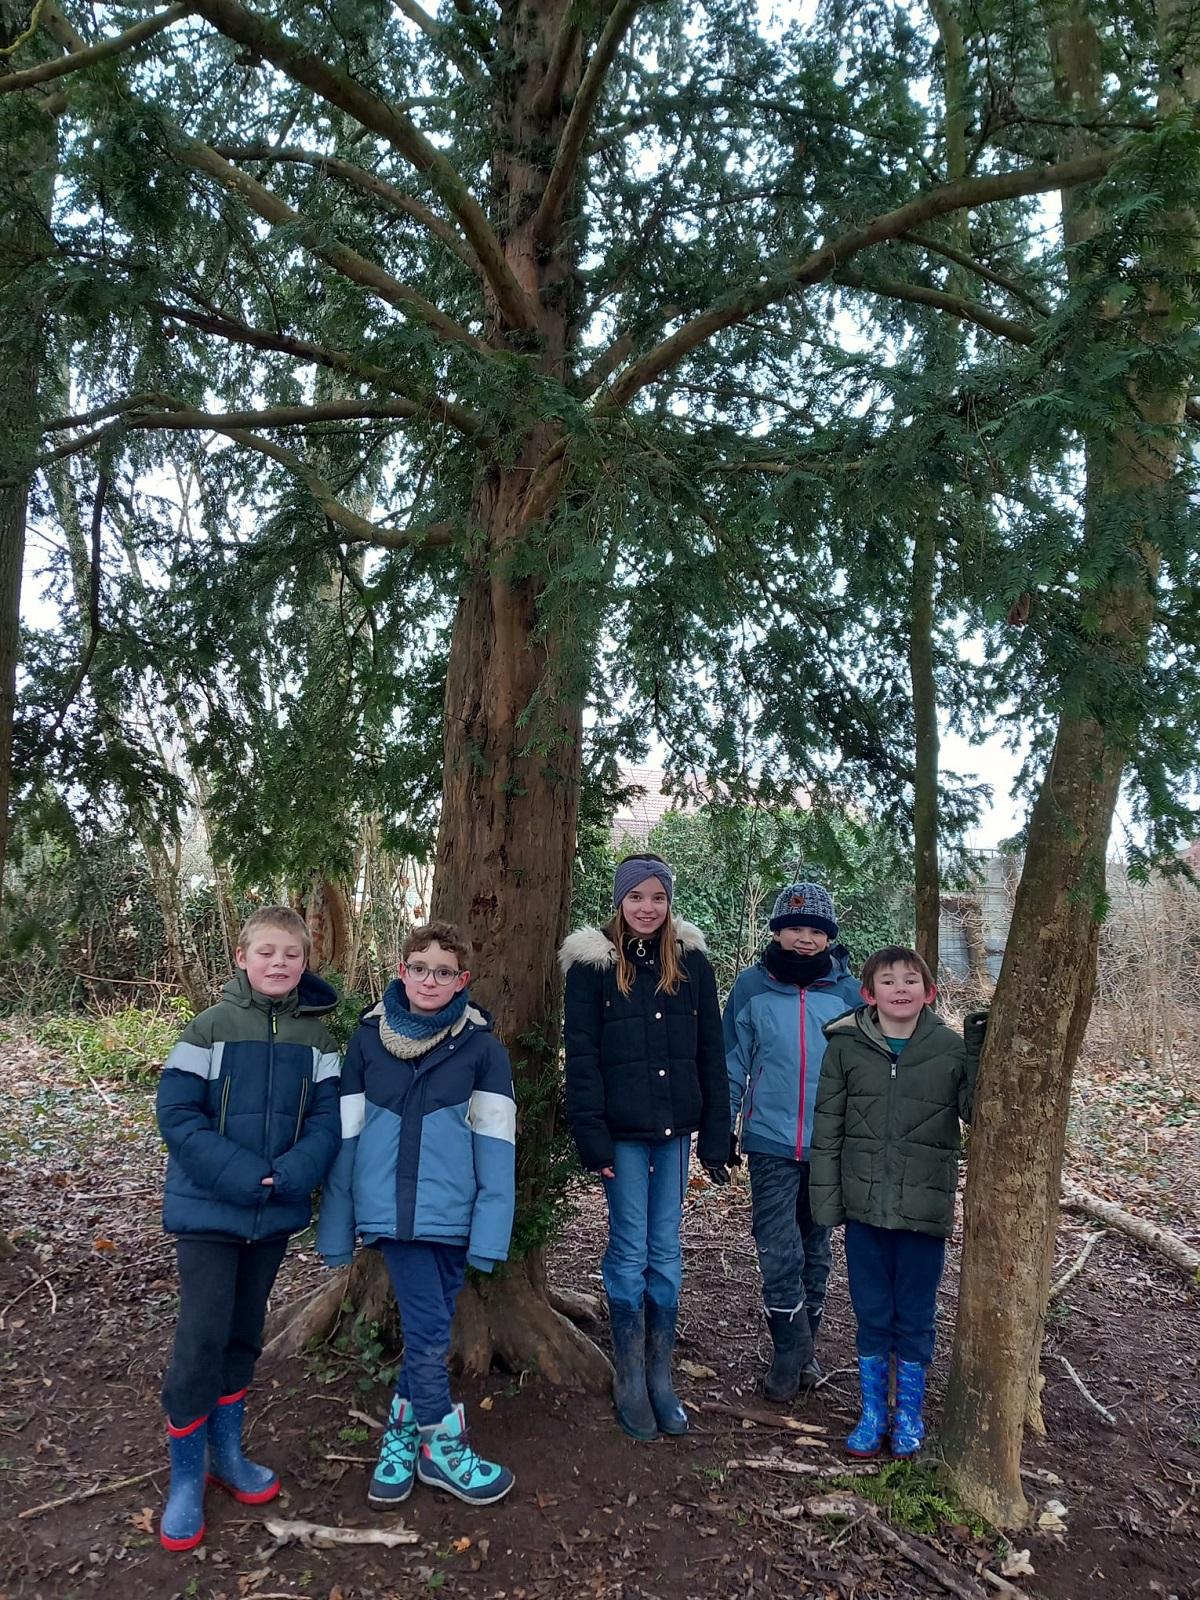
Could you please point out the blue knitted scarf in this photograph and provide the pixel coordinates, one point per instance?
(411, 1024)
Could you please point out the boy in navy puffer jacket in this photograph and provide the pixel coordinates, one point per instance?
(774, 1040)
(248, 1107)
(427, 1172)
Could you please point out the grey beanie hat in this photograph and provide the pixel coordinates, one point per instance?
(804, 905)
(636, 870)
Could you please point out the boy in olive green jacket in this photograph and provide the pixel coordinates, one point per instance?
(896, 1084)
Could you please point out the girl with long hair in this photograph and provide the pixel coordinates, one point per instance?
(645, 1071)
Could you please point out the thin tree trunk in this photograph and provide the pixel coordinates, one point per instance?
(28, 142)
(1044, 994)
(925, 728)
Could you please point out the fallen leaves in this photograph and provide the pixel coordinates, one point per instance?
(143, 1520)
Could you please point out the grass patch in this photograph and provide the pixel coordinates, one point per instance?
(911, 1495)
(123, 1049)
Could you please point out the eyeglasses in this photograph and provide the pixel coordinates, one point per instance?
(440, 975)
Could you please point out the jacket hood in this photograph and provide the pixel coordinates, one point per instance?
(312, 996)
(865, 1021)
(591, 947)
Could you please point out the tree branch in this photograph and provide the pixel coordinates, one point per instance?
(953, 304)
(284, 52)
(574, 135)
(95, 626)
(180, 418)
(961, 259)
(368, 182)
(225, 326)
(567, 42)
(46, 71)
(823, 262)
(339, 256)
(434, 30)
(358, 529)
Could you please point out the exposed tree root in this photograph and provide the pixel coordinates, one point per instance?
(575, 1305)
(510, 1318)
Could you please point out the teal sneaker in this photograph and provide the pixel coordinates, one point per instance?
(397, 1469)
(446, 1461)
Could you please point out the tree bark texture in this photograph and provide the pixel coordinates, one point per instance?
(510, 796)
(927, 879)
(28, 152)
(1044, 994)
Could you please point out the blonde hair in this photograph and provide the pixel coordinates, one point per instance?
(281, 917)
(671, 968)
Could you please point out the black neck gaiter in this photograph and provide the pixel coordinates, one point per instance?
(788, 966)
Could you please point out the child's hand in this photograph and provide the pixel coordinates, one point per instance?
(974, 1029)
(607, 1172)
(269, 1183)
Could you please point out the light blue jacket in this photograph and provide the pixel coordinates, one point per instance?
(774, 1046)
(428, 1145)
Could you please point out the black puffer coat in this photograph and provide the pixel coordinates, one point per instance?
(646, 1066)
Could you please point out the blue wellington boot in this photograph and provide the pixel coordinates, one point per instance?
(908, 1420)
(630, 1395)
(446, 1461)
(397, 1469)
(871, 1429)
(182, 1526)
(660, 1342)
(228, 1468)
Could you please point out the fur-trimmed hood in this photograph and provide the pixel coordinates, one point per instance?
(591, 947)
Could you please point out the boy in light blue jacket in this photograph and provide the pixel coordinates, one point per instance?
(426, 1173)
(774, 1042)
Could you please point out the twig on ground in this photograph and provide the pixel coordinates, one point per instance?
(997, 1582)
(1086, 1392)
(357, 1461)
(88, 1494)
(28, 1289)
(1166, 1243)
(843, 1469)
(913, 1550)
(370, 1422)
(1077, 1265)
(765, 1419)
(320, 1536)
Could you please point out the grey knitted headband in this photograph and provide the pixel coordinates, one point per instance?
(636, 870)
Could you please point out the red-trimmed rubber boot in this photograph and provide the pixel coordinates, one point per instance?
(182, 1526)
(245, 1480)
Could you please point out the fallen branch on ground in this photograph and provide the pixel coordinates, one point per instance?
(88, 1494)
(1162, 1240)
(843, 1469)
(913, 1550)
(765, 1419)
(28, 1289)
(320, 1536)
(1076, 1267)
(1087, 1394)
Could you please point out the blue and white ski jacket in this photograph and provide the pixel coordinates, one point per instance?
(428, 1145)
(774, 1045)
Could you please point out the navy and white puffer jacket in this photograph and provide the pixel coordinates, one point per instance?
(250, 1092)
(428, 1145)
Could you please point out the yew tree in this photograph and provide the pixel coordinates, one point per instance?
(522, 327)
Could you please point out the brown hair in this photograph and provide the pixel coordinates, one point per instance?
(444, 933)
(618, 930)
(281, 917)
(895, 955)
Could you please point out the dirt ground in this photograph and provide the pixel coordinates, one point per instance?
(86, 1310)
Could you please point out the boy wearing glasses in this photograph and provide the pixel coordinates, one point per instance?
(427, 1175)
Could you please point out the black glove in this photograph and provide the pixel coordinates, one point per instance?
(717, 1173)
(735, 1155)
(974, 1029)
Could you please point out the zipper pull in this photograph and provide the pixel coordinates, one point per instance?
(893, 1066)
(274, 1022)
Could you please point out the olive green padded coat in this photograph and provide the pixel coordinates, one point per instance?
(886, 1131)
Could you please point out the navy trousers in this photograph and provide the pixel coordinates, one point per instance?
(894, 1275)
(427, 1279)
(223, 1290)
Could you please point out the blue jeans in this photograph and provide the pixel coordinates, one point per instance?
(894, 1275)
(794, 1253)
(427, 1279)
(645, 1206)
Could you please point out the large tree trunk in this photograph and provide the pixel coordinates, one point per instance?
(1044, 994)
(28, 144)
